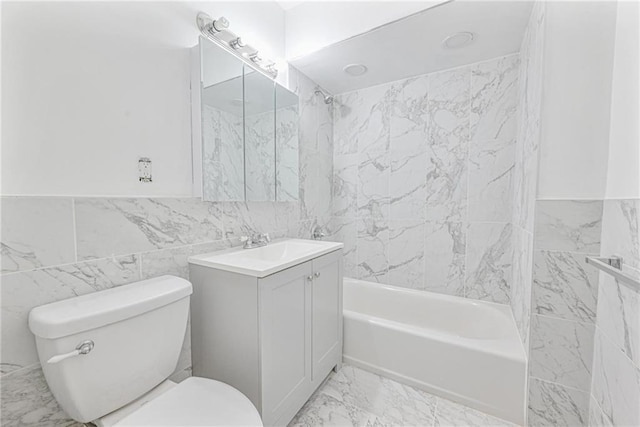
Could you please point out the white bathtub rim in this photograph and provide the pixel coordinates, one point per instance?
(437, 391)
(504, 308)
(498, 347)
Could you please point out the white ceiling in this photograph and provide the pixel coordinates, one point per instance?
(412, 45)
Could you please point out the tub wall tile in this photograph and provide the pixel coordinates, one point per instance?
(522, 282)
(36, 232)
(361, 120)
(407, 185)
(444, 256)
(554, 405)
(597, 418)
(561, 351)
(373, 250)
(569, 225)
(447, 149)
(565, 286)
(373, 185)
(494, 99)
(619, 316)
(489, 260)
(406, 254)
(616, 383)
(345, 185)
(409, 114)
(491, 165)
(621, 222)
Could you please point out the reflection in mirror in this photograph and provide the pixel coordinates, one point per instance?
(259, 134)
(249, 131)
(286, 145)
(222, 125)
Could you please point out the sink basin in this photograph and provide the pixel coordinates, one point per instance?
(266, 260)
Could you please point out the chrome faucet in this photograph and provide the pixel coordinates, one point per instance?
(318, 233)
(256, 240)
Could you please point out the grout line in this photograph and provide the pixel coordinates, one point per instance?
(559, 385)
(533, 313)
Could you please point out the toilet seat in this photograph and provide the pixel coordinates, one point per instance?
(196, 402)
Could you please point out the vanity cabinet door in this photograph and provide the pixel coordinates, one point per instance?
(285, 322)
(326, 314)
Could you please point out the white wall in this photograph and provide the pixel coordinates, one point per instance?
(88, 87)
(313, 25)
(623, 179)
(579, 41)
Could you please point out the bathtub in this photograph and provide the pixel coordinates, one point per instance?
(464, 350)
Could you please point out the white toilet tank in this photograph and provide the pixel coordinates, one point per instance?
(137, 331)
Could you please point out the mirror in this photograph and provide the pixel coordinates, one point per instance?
(259, 136)
(286, 124)
(249, 131)
(222, 125)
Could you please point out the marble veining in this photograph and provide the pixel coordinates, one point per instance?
(409, 114)
(621, 231)
(444, 254)
(407, 185)
(616, 383)
(564, 286)
(373, 250)
(36, 232)
(23, 291)
(447, 150)
(108, 226)
(373, 185)
(561, 351)
(521, 289)
(489, 259)
(406, 254)
(554, 405)
(354, 397)
(619, 316)
(27, 401)
(569, 225)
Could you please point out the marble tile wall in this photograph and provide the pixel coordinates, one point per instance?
(423, 180)
(615, 387)
(526, 168)
(564, 299)
(59, 247)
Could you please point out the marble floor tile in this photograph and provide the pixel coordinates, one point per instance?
(324, 410)
(354, 397)
(453, 414)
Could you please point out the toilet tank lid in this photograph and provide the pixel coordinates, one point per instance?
(90, 311)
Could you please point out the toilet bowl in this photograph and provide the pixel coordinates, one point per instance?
(106, 357)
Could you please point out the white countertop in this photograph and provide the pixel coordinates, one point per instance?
(266, 260)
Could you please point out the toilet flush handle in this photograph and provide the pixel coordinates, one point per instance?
(83, 348)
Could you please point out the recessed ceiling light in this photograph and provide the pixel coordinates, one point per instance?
(458, 40)
(355, 69)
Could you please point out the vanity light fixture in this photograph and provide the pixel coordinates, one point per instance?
(237, 44)
(217, 30)
(355, 69)
(220, 24)
(255, 57)
(458, 40)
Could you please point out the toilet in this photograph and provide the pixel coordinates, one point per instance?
(107, 357)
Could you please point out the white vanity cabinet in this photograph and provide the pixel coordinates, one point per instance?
(275, 338)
